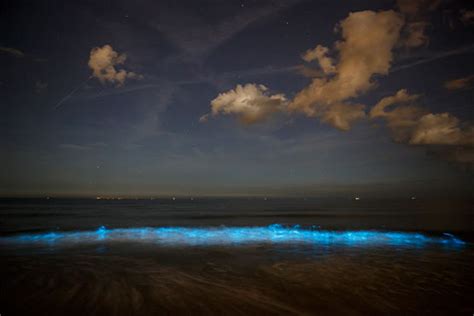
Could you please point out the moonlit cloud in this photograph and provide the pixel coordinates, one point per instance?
(441, 129)
(197, 36)
(204, 118)
(402, 96)
(309, 71)
(460, 83)
(366, 50)
(400, 114)
(415, 34)
(320, 53)
(342, 115)
(416, 7)
(104, 61)
(251, 103)
(434, 56)
(415, 12)
(348, 71)
(414, 125)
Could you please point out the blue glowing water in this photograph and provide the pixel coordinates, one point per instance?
(237, 235)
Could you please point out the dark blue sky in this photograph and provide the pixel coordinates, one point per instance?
(65, 132)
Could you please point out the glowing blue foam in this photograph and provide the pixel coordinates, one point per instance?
(236, 235)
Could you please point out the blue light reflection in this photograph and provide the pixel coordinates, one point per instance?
(237, 235)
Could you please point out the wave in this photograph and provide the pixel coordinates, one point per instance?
(222, 235)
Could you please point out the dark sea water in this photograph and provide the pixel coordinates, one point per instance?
(220, 256)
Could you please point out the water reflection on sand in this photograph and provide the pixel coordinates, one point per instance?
(133, 278)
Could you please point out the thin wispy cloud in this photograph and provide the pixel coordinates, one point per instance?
(434, 56)
(12, 51)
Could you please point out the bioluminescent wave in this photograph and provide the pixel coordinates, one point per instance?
(236, 235)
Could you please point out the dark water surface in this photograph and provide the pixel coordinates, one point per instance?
(133, 276)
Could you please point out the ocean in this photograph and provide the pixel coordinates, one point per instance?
(236, 256)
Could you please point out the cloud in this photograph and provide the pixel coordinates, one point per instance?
(103, 61)
(309, 72)
(417, 7)
(73, 147)
(20, 54)
(414, 125)
(441, 129)
(204, 118)
(415, 34)
(320, 54)
(415, 12)
(444, 136)
(251, 103)
(402, 96)
(401, 120)
(198, 35)
(365, 51)
(348, 71)
(434, 56)
(12, 51)
(460, 83)
(82, 147)
(342, 115)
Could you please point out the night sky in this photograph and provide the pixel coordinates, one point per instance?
(216, 98)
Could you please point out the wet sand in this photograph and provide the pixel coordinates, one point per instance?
(122, 278)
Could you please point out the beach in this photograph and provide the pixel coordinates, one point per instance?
(202, 268)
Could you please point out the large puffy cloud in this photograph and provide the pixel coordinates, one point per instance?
(414, 125)
(365, 51)
(401, 119)
(441, 129)
(445, 136)
(103, 62)
(251, 103)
